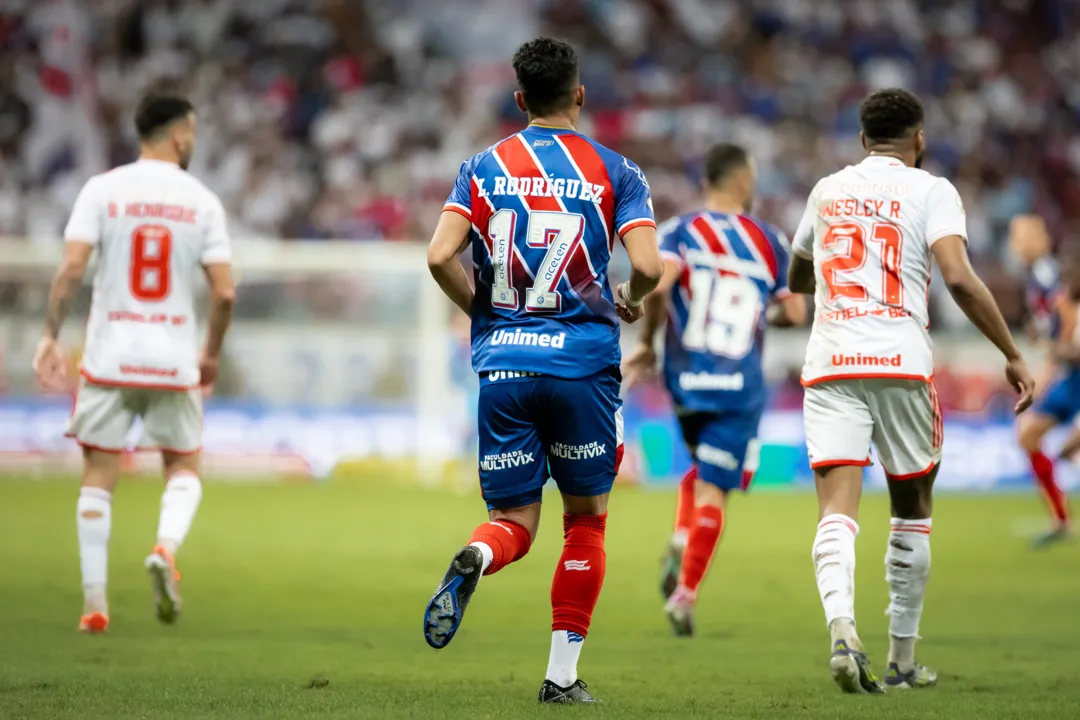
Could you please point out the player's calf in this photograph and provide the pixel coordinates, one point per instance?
(93, 520)
(575, 588)
(493, 546)
(907, 569)
(179, 503)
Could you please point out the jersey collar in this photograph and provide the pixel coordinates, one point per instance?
(883, 160)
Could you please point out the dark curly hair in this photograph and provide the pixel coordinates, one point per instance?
(890, 114)
(547, 73)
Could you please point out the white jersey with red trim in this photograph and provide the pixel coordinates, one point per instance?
(154, 226)
(869, 229)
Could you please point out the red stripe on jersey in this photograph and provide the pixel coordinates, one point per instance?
(713, 242)
(481, 210)
(594, 171)
(761, 242)
(520, 164)
(708, 235)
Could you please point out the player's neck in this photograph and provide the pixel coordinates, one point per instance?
(150, 153)
(554, 121)
(721, 201)
(892, 152)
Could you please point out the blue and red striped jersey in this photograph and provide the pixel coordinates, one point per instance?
(546, 205)
(1044, 291)
(732, 265)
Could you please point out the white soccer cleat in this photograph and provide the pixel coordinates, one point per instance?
(165, 581)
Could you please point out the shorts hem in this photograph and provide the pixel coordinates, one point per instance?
(810, 382)
(98, 448)
(507, 502)
(840, 462)
(913, 476)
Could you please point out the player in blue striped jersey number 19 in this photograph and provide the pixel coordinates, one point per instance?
(541, 210)
(722, 271)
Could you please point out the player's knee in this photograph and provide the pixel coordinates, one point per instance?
(705, 493)
(1030, 437)
(912, 499)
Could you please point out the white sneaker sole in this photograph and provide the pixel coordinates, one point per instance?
(166, 598)
(845, 673)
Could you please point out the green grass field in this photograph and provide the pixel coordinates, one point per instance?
(290, 584)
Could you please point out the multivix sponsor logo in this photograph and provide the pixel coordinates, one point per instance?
(520, 337)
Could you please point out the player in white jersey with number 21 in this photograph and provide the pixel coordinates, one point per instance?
(155, 227)
(864, 249)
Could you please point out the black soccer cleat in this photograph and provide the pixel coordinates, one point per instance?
(573, 695)
(444, 612)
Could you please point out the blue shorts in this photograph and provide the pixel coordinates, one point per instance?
(719, 444)
(1062, 399)
(534, 426)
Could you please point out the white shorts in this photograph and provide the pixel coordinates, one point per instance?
(902, 418)
(103, 417)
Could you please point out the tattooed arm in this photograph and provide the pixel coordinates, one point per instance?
(49, 361)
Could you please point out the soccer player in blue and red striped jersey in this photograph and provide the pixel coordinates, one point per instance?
(722, 270)
(1053, 315)
(541, 210)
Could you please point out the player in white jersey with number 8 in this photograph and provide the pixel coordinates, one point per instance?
(155, 228)
(864, 249)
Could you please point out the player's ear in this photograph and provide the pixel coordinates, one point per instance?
(519, 98)
(579, 96)
(864, 141)
(920, 141)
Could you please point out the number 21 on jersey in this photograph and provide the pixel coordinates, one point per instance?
(848, 242)
(559, 232)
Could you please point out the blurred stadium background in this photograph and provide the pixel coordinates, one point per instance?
(332, 130)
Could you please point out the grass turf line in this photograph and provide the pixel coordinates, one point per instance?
(305, 601)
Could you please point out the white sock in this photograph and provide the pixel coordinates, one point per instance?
(93, 518)
(179, 502)
(562, 663)
(485, 550)
(679, 538)
(834, 565)
(907, 568)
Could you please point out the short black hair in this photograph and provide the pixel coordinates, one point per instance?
(547, 73)
(890, 114)
(156, 112)
(722, 159)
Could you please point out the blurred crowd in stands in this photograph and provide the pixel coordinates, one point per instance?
(348, 119)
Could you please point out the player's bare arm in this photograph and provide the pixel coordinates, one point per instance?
(801, 276)
(222, 298)
(974, 298)
(449, 241)
(646, 269)
(641, 363)
(49, 362)
(789, 311)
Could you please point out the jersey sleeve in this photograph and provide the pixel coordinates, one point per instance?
(85, 223)
(668, 239)
(944, 213)
(782, 248)
(216, 248)
(803, 242)
(633, 200)
(460, 200)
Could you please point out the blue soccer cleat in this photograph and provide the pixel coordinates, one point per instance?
(447, 607)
